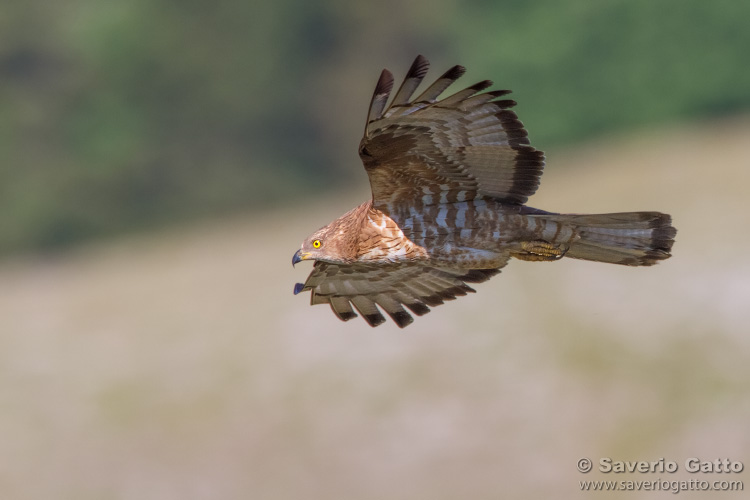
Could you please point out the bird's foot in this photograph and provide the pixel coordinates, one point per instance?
(539, 251)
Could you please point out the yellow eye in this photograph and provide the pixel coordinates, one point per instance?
(316, 243)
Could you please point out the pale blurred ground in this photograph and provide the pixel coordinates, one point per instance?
(180, 365)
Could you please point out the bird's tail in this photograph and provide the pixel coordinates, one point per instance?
(631, 238)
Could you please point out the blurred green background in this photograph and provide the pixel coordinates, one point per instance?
(122, 116)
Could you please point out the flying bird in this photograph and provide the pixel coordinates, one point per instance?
(450, 178)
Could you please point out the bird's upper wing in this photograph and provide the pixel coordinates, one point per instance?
(466, 146)
(391, 287)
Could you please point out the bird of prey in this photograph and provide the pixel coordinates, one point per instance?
(450, 178)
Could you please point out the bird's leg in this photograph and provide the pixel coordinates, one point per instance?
(540, 250)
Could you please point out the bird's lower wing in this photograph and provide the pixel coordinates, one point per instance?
(363, 287)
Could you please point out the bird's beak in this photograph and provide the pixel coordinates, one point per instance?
(299, 256)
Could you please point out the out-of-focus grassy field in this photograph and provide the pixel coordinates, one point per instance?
(180, 365)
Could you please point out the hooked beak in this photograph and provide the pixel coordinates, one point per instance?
(299, 256)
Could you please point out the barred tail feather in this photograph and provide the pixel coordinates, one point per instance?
(631, 239)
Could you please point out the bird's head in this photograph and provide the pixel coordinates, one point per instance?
(316, 247)
(338, 242)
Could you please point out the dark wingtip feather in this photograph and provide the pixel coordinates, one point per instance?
(413, 78)
(505, 103)
(455, 72)
(479, 275)
(418, 308)
(662, 239)
(419, 67)
(442, 83)
(374, 319)
(479, 86)
(432, 300)
(385, 83)
(499, 93)
(346, 316)
(402, 318)
(379, 97)
(298, 288)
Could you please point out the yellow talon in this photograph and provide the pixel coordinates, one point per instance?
(539, 250)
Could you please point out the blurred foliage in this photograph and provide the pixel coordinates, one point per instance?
(124, 115)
